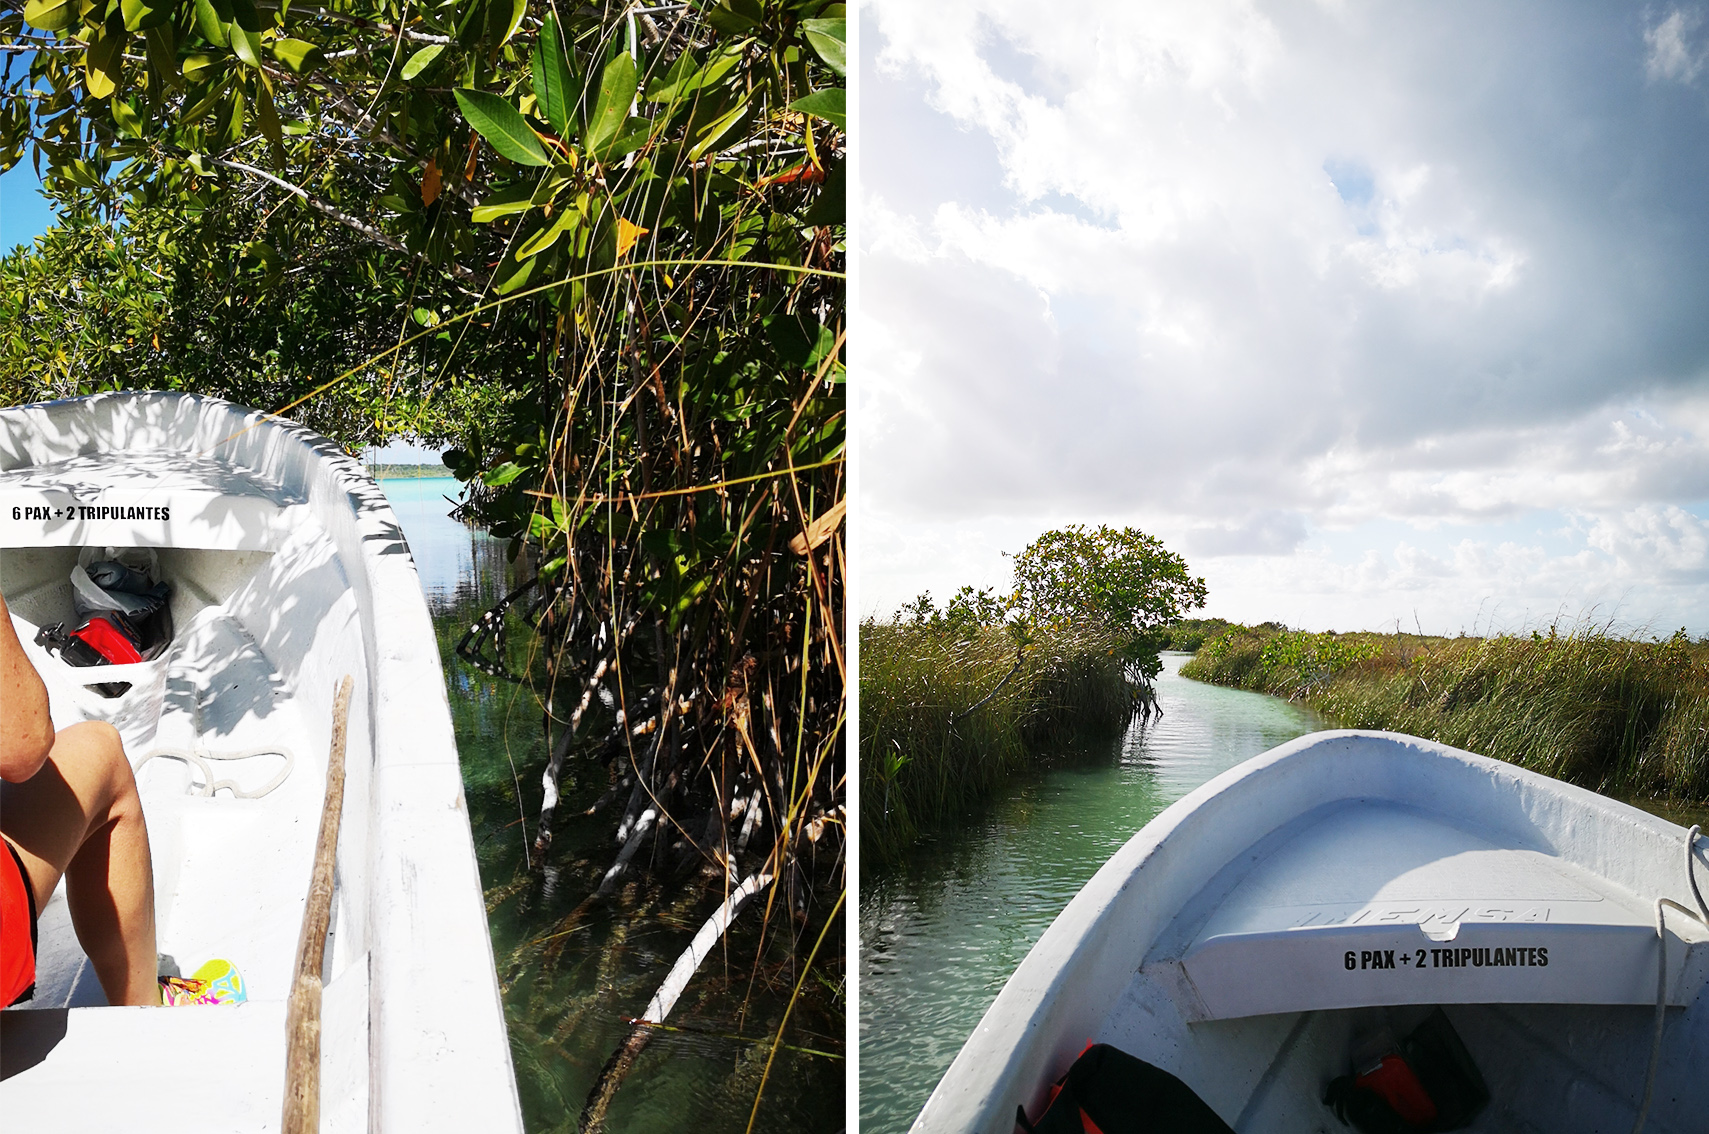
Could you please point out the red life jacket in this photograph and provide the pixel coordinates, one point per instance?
(17, 931)
(102, 634)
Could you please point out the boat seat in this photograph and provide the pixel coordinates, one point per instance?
(190, 1070)
(1379, 903)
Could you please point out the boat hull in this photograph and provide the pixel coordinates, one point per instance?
(293, 571)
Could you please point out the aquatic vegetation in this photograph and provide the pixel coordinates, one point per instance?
(574, 971)
(1618, 714)
(950, 710)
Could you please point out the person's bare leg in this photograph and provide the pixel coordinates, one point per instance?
(79, 816)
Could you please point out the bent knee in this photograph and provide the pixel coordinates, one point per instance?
(92, 751)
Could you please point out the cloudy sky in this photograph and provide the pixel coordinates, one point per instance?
(1374, 312)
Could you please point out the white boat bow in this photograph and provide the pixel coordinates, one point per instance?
(1349, 881)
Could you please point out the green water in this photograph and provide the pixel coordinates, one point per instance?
(569, 987)
(940, 935)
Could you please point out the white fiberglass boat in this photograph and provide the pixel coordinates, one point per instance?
(1258, 932)
(287, 571)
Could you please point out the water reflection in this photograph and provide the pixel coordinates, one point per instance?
(446, 552)
(941, 933)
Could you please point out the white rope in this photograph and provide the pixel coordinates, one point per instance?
(199, 758)
(1661, 971)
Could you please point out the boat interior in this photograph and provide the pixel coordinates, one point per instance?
(1548, 1067)
(289, 572)
(227, 730)
(1545, 971)
(1296, 919)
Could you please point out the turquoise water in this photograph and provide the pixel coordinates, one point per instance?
(571, 982)
(940, 935)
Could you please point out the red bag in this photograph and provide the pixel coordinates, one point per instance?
(102, 635)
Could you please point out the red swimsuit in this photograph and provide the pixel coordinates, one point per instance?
(17, 931)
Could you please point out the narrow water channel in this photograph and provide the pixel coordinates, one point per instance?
(571, 982)
(941, 934)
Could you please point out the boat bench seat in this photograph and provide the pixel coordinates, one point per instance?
(178, 1070)
(1380, 903)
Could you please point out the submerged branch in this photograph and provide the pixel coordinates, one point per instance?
(616, 1068)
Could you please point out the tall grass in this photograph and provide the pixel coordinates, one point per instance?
(1616, 714)
(925, 758)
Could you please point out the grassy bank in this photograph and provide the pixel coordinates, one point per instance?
(408, 472)
(924, 757)
(1619, 715)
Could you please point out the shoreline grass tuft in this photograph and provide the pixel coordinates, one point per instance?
(925, 758)
(1619, 715)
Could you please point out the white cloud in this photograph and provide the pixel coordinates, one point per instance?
(1671, 56)
(1260, 273)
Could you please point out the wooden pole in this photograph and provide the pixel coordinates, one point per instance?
(302, 1016)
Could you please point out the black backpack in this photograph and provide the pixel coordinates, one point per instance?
(1443, 1067)
(1108, 1091)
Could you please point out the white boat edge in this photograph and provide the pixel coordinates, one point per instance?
(439, 1051)
(1062, 990)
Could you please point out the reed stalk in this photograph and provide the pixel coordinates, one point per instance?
(927, 755)
(1622, 715)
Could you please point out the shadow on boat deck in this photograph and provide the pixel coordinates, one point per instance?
(26, 1038)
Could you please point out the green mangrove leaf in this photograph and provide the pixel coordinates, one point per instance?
(517, 10)
(548, 236)
(504, 203)
(715, 131)
(51, 15)
(230, 132)
(830, 39)
(162, 46)
(245, 29)
(246, 44)
(421, 61)
(672, 85)
(142, 14)
(553, 81)
(101, 64)
(822, 346)
(830, 104)
(502, 475)
(127, 119)
(547, 190)
(513, 274)
(206, 104)
(267, 115)
(298, 55)
(208, 22)
(831, 205)
(503, 126)
(736, 17)
(616, 94)
(263, 255)
(244, 15)
(715, 70)
(629, 142)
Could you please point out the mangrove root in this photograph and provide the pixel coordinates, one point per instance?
(616, 1068)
